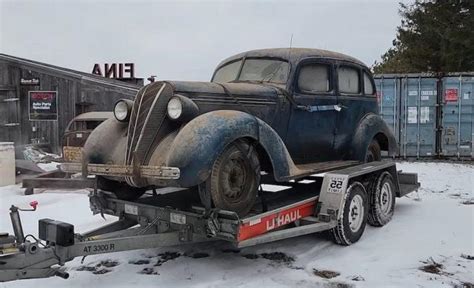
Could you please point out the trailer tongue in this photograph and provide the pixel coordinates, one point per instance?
(313, 204)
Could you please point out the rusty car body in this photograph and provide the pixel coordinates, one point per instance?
(287, 112)
(78, 130)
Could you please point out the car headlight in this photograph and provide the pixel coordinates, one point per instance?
(175, 108)
(122, 110)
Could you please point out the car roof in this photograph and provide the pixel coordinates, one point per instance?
(293, 55)
(94, 116)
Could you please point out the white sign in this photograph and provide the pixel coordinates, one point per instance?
(413, 93)
(466, 96)
(425, 114)
(412, 115)
(428, 93)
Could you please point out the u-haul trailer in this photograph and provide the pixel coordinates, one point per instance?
(341, 201)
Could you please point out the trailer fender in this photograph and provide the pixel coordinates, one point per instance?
(371, 127)
(202, 140)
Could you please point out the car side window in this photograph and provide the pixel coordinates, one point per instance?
(349, 80)
(368, 86)
(315, 77)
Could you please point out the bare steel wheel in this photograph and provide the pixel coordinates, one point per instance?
(356, 213)
(235, 178)
(382, 200)
(353, 217)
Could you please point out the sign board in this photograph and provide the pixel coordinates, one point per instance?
(43, 105)
(451, 95)
(412, 115)
(115, 70)
(32, 81)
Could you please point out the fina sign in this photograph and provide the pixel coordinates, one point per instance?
(115, 70)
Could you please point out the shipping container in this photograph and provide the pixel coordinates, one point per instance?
(458, 116)
(430, 115)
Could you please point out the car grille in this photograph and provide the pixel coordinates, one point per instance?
(146, 120)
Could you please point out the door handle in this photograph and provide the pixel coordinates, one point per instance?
(321, 108)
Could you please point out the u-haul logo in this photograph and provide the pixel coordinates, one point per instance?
(283, 219)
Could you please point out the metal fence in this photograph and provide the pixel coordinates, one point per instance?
(430, 116)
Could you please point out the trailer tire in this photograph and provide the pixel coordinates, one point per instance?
(235, 177)
(122, 190)
(352, 221)
(382, 200)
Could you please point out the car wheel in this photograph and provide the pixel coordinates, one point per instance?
(235, 177)
(373, 152)
(351, 223)
(122, 190)
(382, 200)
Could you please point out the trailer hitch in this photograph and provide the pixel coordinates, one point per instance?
(23, 259)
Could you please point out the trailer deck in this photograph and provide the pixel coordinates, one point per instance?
(172, 216)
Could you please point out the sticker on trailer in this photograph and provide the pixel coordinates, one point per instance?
(413, 93)
(131, 209)
(177, 218)
(425, 98)
(466, 96)
(425, 114)
(336, 184)
(412, 115)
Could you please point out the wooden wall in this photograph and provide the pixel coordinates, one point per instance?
(76, 92)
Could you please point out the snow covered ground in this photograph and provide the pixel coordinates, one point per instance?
(434, 224)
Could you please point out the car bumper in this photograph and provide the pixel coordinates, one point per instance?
(156, 172)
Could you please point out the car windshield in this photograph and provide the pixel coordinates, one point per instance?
(259, 70)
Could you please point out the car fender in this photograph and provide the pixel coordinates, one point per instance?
(370, 127)
(203, 139)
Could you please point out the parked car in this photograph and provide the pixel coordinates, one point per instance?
(77, 132)
(287, 112)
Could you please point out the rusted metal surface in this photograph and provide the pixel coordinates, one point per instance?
(159, 172)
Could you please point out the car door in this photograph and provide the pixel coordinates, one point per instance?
(355, 100)
(312, 122)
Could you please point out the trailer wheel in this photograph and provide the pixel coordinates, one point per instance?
(382, 200)
(235, 177)
(373, 152)
(122, 190)
(352, 221)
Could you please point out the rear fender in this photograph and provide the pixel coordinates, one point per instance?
(370, 127)
(201, 141)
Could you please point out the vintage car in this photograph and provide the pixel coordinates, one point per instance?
(78, 130)
(284, 113)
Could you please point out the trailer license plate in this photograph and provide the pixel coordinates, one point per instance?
(131, 209)
(177, 218)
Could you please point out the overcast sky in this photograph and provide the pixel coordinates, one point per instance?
(184, 40)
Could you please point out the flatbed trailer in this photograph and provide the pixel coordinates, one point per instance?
(172, 216)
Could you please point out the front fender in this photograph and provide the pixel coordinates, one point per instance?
(370, 127)
(201, 141)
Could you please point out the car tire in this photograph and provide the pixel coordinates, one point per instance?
(382, 200)
(235, 177)
(373, 152)
(122, 190)
(351, 223)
